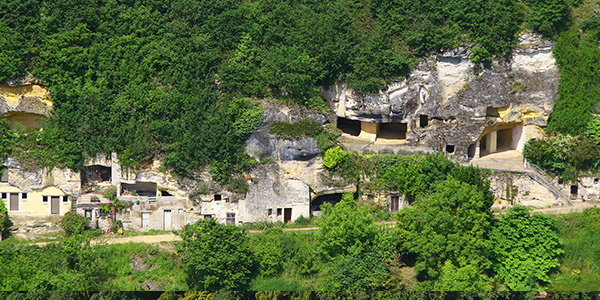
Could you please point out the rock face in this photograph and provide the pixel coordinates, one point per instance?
(449, 100)
(24, 101)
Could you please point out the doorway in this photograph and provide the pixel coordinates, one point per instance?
(14, 201)
(55, 205)
(145, 219)
(287, 215)
(394, 203)
(167, 219)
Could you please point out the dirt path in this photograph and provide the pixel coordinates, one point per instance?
(149, 239)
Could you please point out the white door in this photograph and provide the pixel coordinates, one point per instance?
(145, 219)
(167, 219)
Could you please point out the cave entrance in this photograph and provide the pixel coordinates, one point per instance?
(27, 120)
(147, 189)
(450, 149)
(392, 131)
(315, 204)
(95, 174)
(502, 139)
(348, 126)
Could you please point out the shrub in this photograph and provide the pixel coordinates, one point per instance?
(73, 223)
(334, 157)
(4, 220)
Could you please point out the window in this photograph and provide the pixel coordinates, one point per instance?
(217, 197)
(269, 211)
(24, 196)
(65, 199)
(230, 218)
(88, 214)
(4, 175)
(4, 196)
(279, 211)
(45, 199)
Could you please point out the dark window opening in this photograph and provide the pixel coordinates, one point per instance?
(65, 199)
(471, 151)
(449, 149)
(269, 211)
(230, 218)
(492, 112)
(95, 174)
(218, 197)
(348, 126)
(596, 180)
(423, 121)
(279, 211)
(4, 195)
(574, 192)
(24, 196)
(88, 214)
(165, 194)
(396, 131)
(4, 175)
(45, 199)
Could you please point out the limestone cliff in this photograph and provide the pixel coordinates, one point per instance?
(449, 100)
(24, 101)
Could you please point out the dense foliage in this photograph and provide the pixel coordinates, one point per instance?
(216, 256)
(166, 78)
(526, 248)
(4, 220)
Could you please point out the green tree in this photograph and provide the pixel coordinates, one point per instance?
(451, 224)
(347, 228)
(526, 248)
(216, 256)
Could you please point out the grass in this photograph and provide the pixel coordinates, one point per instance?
(567, 280)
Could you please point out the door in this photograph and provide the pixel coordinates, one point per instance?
(395, 203)
(287, 215)
(145, 219)
(167, 219)
(55, 205)
(14, 201)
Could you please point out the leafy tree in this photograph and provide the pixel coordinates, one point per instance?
(216, 256)
(452, 224)
(346, 228)
(526, 248)
(467, 278)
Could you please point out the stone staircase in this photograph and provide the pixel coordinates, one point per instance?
(537, 174)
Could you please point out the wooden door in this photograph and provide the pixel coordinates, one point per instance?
(55, 205)
(167, 219)
(145, 219)
(395, 203)
(14, 201)
(287, 215)
(230, 218)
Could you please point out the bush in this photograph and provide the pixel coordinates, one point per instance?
(334, 157)
(4, 220)
(73, 223)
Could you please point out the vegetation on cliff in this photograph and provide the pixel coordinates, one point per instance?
(165, 78)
